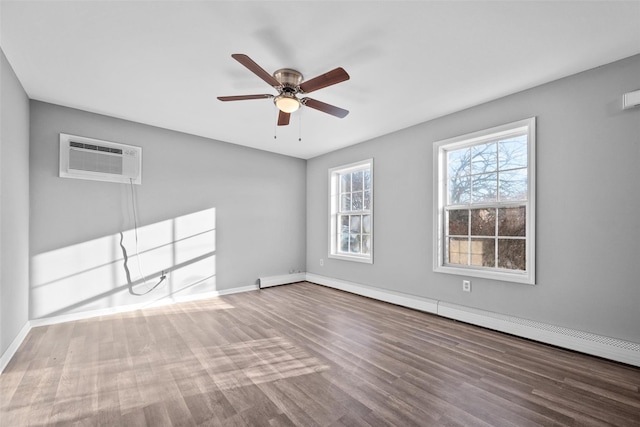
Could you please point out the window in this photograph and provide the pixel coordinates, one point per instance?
(351, 212)
(485, 203)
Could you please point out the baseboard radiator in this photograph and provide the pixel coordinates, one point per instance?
(284, 279)
(584, 342)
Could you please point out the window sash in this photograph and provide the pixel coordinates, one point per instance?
(470, 237)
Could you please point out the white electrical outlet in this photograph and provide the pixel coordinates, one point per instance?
(466, 285)
(321, 262)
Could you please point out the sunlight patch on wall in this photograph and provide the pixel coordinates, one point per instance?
(126, 268)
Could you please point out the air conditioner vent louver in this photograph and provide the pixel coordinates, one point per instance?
(95, 162)
(94, 147)
(87, 158)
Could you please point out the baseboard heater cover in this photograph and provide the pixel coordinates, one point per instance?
(410, 301)
(283, 279)
(571, 339)
(584, 342)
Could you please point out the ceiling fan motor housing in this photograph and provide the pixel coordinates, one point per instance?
(289, 78)
(286, 101)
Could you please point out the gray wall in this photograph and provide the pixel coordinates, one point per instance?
(216, 216)
(588, 206)
(14, 205)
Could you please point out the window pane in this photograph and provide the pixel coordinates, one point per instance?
(356, 201)
(366, 224)
(458, 176)
(484, 187)
(458, 251)
(367, 200)
(483, 222)
(366, 244)
(357, 181)
(345, 183)
(460, 190)
(344, 242)
(512, 153)
(367, 179)
(355, 244)
(345, 202)
(343, 237)
(459, 222)
(458, 162)
(355, 224)
(512, 221)
(513, 185)
(484, 158)
(483, 252)
(512, 254)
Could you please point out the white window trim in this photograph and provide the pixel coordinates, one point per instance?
(440, 194)
(333, 212)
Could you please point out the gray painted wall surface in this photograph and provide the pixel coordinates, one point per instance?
(255, 201)
(588, 205)
(14, 205)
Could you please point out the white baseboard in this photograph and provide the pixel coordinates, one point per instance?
(410, 301)
(584, 342)
(15, 344)
(282, 279)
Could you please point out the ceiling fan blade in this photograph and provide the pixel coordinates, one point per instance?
(324, 107)
(243, 97)
(283, 118)
(255, 69)
(327, 79)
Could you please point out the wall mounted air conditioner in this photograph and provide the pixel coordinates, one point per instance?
(88, 158)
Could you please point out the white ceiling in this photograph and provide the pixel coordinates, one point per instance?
(164, 63)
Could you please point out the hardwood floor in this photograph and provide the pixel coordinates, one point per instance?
(304, 355)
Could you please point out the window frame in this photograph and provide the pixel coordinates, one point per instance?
(334, 211)
(440, 203)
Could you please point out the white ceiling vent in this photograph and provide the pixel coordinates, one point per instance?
(88, 158)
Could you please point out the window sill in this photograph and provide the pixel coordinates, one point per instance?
(354, 258)
(505, 276)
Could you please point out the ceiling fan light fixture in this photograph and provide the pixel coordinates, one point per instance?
(287, 103)
(289, 82)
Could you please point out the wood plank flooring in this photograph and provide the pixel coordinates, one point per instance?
(304, 355)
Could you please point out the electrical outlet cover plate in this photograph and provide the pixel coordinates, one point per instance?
(466, 285)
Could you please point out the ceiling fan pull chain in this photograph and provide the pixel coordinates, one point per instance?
(275, 119)
(300, 124)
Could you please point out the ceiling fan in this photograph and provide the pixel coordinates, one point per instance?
(289, 83)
